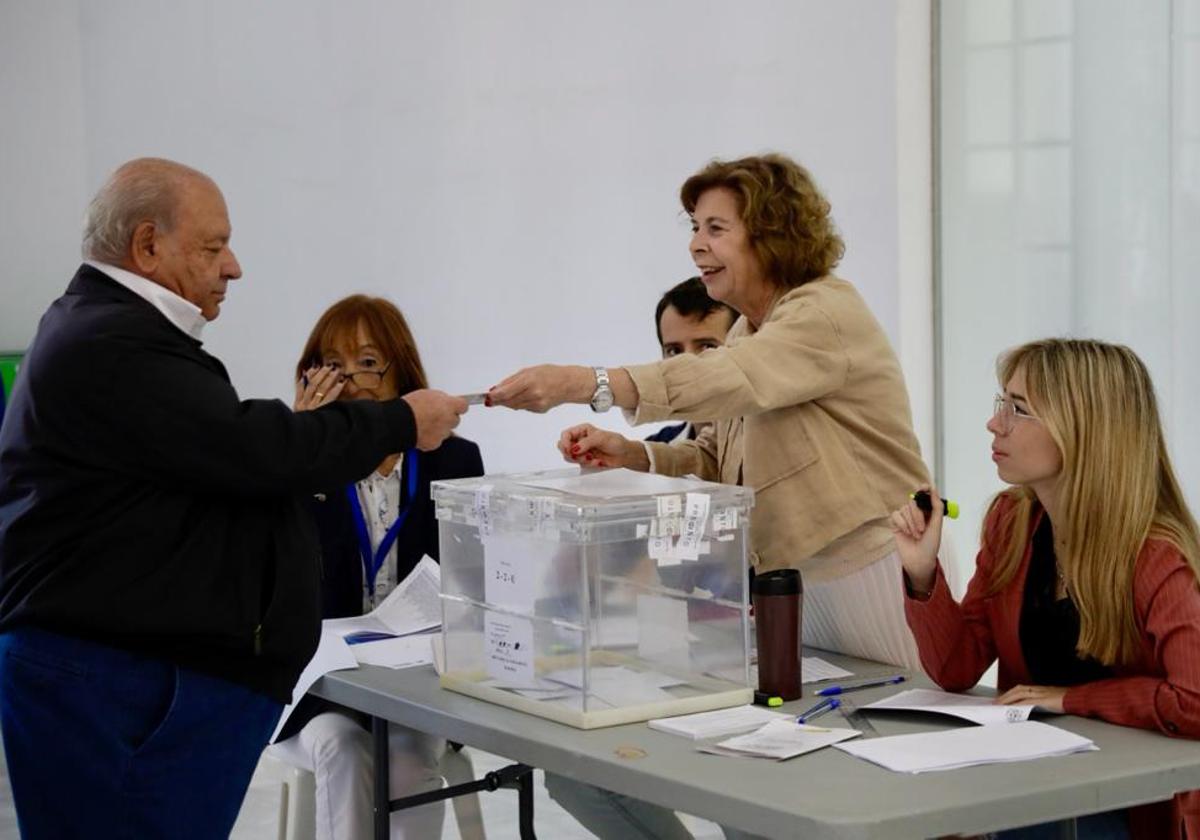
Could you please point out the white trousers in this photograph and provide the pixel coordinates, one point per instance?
(861, 615)
(338, 752)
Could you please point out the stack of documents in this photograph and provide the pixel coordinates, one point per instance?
(781, 739)
(717, 723)
(970, 707)
(412, 607)
(966, 747)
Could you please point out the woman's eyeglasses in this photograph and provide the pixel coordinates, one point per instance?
(366, 378)
(1007, 413)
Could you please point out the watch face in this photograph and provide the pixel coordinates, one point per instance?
(602, 400)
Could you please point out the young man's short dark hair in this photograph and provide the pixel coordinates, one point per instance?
(690, 299)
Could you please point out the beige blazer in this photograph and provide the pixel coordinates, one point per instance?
(811, 411)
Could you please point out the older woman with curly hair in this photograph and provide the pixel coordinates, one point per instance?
(808, 403)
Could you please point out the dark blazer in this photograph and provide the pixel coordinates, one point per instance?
(668, 433)
(145, 506)
(341, 563)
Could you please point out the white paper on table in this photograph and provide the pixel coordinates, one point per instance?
(814, 669)
(414, 606)
(508, 580)
(717, 723)
(966, 706)
(965, 747)
(508, 649)
(611, 484)
(662, 629)
(332, 654)
(782, 739)
(401, 652)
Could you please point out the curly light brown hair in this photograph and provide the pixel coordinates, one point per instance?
(786, 216)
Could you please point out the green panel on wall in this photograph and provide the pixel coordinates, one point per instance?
(10, 363)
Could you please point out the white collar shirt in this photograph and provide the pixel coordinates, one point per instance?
(184, 314)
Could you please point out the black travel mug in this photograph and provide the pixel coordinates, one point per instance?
(777, 604)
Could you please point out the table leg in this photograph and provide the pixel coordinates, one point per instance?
(525, 805)
(383, 810)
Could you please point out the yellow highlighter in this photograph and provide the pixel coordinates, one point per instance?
(921, 497)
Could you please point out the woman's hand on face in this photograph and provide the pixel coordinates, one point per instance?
(317, 387)
(1049, 697)
(543, 387)
(918, 541)
(591, 447)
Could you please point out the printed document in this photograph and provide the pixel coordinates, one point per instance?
(966, 706)
(717, 723)
(965, 747)
(412, 607)
(781, 740)
(400, 652)
(333, 654)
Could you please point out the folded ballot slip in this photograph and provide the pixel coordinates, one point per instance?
(781, 740)
(717, 723)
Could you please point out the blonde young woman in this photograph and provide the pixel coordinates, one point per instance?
(1086, 580)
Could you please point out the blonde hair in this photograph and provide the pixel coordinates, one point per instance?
(1116, 490)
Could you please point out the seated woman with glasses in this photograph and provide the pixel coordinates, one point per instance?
(373, 534)
(1086, 581)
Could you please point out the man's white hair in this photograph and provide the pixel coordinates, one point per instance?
(142, 190)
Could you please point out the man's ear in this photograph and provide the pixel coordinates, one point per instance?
(144, 248)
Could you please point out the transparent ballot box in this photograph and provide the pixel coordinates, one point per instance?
(595, 598)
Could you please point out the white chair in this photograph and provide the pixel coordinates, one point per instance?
(297, 794)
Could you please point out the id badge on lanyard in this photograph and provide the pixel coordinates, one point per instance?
(373, 560)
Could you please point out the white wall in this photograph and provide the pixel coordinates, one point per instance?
(506, 172)
(1070, 172)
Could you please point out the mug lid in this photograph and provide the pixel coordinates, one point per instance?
(777, 582)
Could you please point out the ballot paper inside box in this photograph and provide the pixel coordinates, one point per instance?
(595, 598)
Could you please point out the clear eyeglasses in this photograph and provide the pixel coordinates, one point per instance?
(1007, 413)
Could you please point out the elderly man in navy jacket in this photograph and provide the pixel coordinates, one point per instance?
(158, 573)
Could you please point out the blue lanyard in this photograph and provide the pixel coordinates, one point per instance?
(373, 560)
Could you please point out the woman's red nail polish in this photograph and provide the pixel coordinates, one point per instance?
(588, 456)
(574, 450)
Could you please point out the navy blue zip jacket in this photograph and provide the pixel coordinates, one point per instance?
(145, 506)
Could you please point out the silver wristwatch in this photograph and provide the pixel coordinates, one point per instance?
(602, 397)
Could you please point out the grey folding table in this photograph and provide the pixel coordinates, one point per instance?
(826, 794)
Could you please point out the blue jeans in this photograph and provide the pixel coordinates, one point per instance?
(1111, 825)
(103, 743)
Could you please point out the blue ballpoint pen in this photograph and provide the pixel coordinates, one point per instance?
(818, 710)
(841, 689)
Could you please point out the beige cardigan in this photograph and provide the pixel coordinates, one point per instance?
(811, 411)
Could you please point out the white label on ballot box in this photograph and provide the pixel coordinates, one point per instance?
(508, 579)
(508, 649)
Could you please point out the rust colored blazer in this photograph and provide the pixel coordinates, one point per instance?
(1161, 690)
